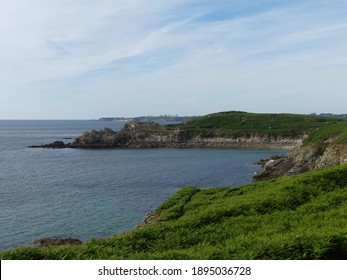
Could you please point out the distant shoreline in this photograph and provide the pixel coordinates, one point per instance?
(163, 118)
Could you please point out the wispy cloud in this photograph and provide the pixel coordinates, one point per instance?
(186, 57)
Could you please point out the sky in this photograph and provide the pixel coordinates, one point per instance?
(76, 59)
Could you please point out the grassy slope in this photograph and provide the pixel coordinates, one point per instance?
(337, 132)
(299, 217)
(251, 123)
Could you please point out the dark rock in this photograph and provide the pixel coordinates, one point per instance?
(297, 169)
(54, 145)
(275, 168)
(264, 161)
(104, 138)
(137, 134)
(150, 218)
(46, 242)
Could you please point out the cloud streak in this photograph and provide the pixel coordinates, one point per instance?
(177, 57)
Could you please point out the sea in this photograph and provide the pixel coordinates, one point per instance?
(87, 193)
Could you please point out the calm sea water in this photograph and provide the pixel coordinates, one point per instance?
(96, 193)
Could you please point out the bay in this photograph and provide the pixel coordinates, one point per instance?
(77, 193)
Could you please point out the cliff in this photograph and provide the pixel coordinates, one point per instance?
(313, 141)
(326, 146)
(137, 134)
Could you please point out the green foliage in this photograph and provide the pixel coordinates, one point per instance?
(335, 132)
(243, 124)
(173, 208)
(297, 217)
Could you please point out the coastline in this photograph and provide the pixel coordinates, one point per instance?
(136, 134)
(199, 162)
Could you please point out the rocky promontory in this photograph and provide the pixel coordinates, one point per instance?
(54, 145)
(313, 142)
(136, 134)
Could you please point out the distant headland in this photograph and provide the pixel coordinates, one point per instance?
(161, 118)
(176, 118)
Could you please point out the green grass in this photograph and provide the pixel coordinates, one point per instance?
(242, 123)
(337, 132)
(297, 217)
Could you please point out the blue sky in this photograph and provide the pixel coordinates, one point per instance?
(74, 59)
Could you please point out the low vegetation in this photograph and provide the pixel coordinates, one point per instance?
(243, 123)
(297, 217)
(334, 133)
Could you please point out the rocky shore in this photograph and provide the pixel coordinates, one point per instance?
(136, 134)
(302, 159)
(47, 242)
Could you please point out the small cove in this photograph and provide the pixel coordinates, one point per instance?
(96, 193)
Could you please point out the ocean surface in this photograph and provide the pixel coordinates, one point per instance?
(77, 193)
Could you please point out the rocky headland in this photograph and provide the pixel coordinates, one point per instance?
(299, 158)
(137, 134)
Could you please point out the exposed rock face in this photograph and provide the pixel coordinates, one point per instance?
(334, 154)
(46, 242)
(137, 134)
(150, 218)
(134, 135)
(105, 138)
(152, 135)
(240, 142)
(302, 159)
(54, 145)
(279, 167)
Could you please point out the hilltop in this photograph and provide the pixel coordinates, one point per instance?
(243, 123)
(298, 217)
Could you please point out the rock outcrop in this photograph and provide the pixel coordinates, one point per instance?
(281, 166)
(46, 242)
(105, 138)
(150, 218)
(136, 134)
(302, 159)
(54, 145)
(240, 142)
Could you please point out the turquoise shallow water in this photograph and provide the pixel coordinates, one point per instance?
(97, 193)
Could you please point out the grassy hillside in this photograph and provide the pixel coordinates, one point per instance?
(337, 133)
(298, 217)
(251, 123)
